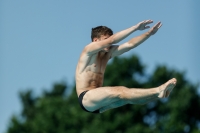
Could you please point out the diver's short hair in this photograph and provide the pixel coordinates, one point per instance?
(100, 30)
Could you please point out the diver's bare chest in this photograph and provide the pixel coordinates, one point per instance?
(98, 63)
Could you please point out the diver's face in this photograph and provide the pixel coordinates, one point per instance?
(103, 37)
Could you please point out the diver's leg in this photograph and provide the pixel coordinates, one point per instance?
(112, 97)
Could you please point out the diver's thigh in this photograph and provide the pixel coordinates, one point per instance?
(102, 96)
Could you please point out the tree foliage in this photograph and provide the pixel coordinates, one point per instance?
(56, 112)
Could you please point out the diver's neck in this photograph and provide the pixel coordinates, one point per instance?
(102, 53)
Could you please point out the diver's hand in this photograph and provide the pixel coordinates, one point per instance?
(155, 28)
(143, 25)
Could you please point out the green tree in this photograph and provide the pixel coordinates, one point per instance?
(56, 112)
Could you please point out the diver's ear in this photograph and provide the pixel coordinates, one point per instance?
(95, 39)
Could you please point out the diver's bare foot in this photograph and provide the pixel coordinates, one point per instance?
(165, 89)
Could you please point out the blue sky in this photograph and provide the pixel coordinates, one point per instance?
(40, 41)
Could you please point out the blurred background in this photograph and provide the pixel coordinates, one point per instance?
(41, 41)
